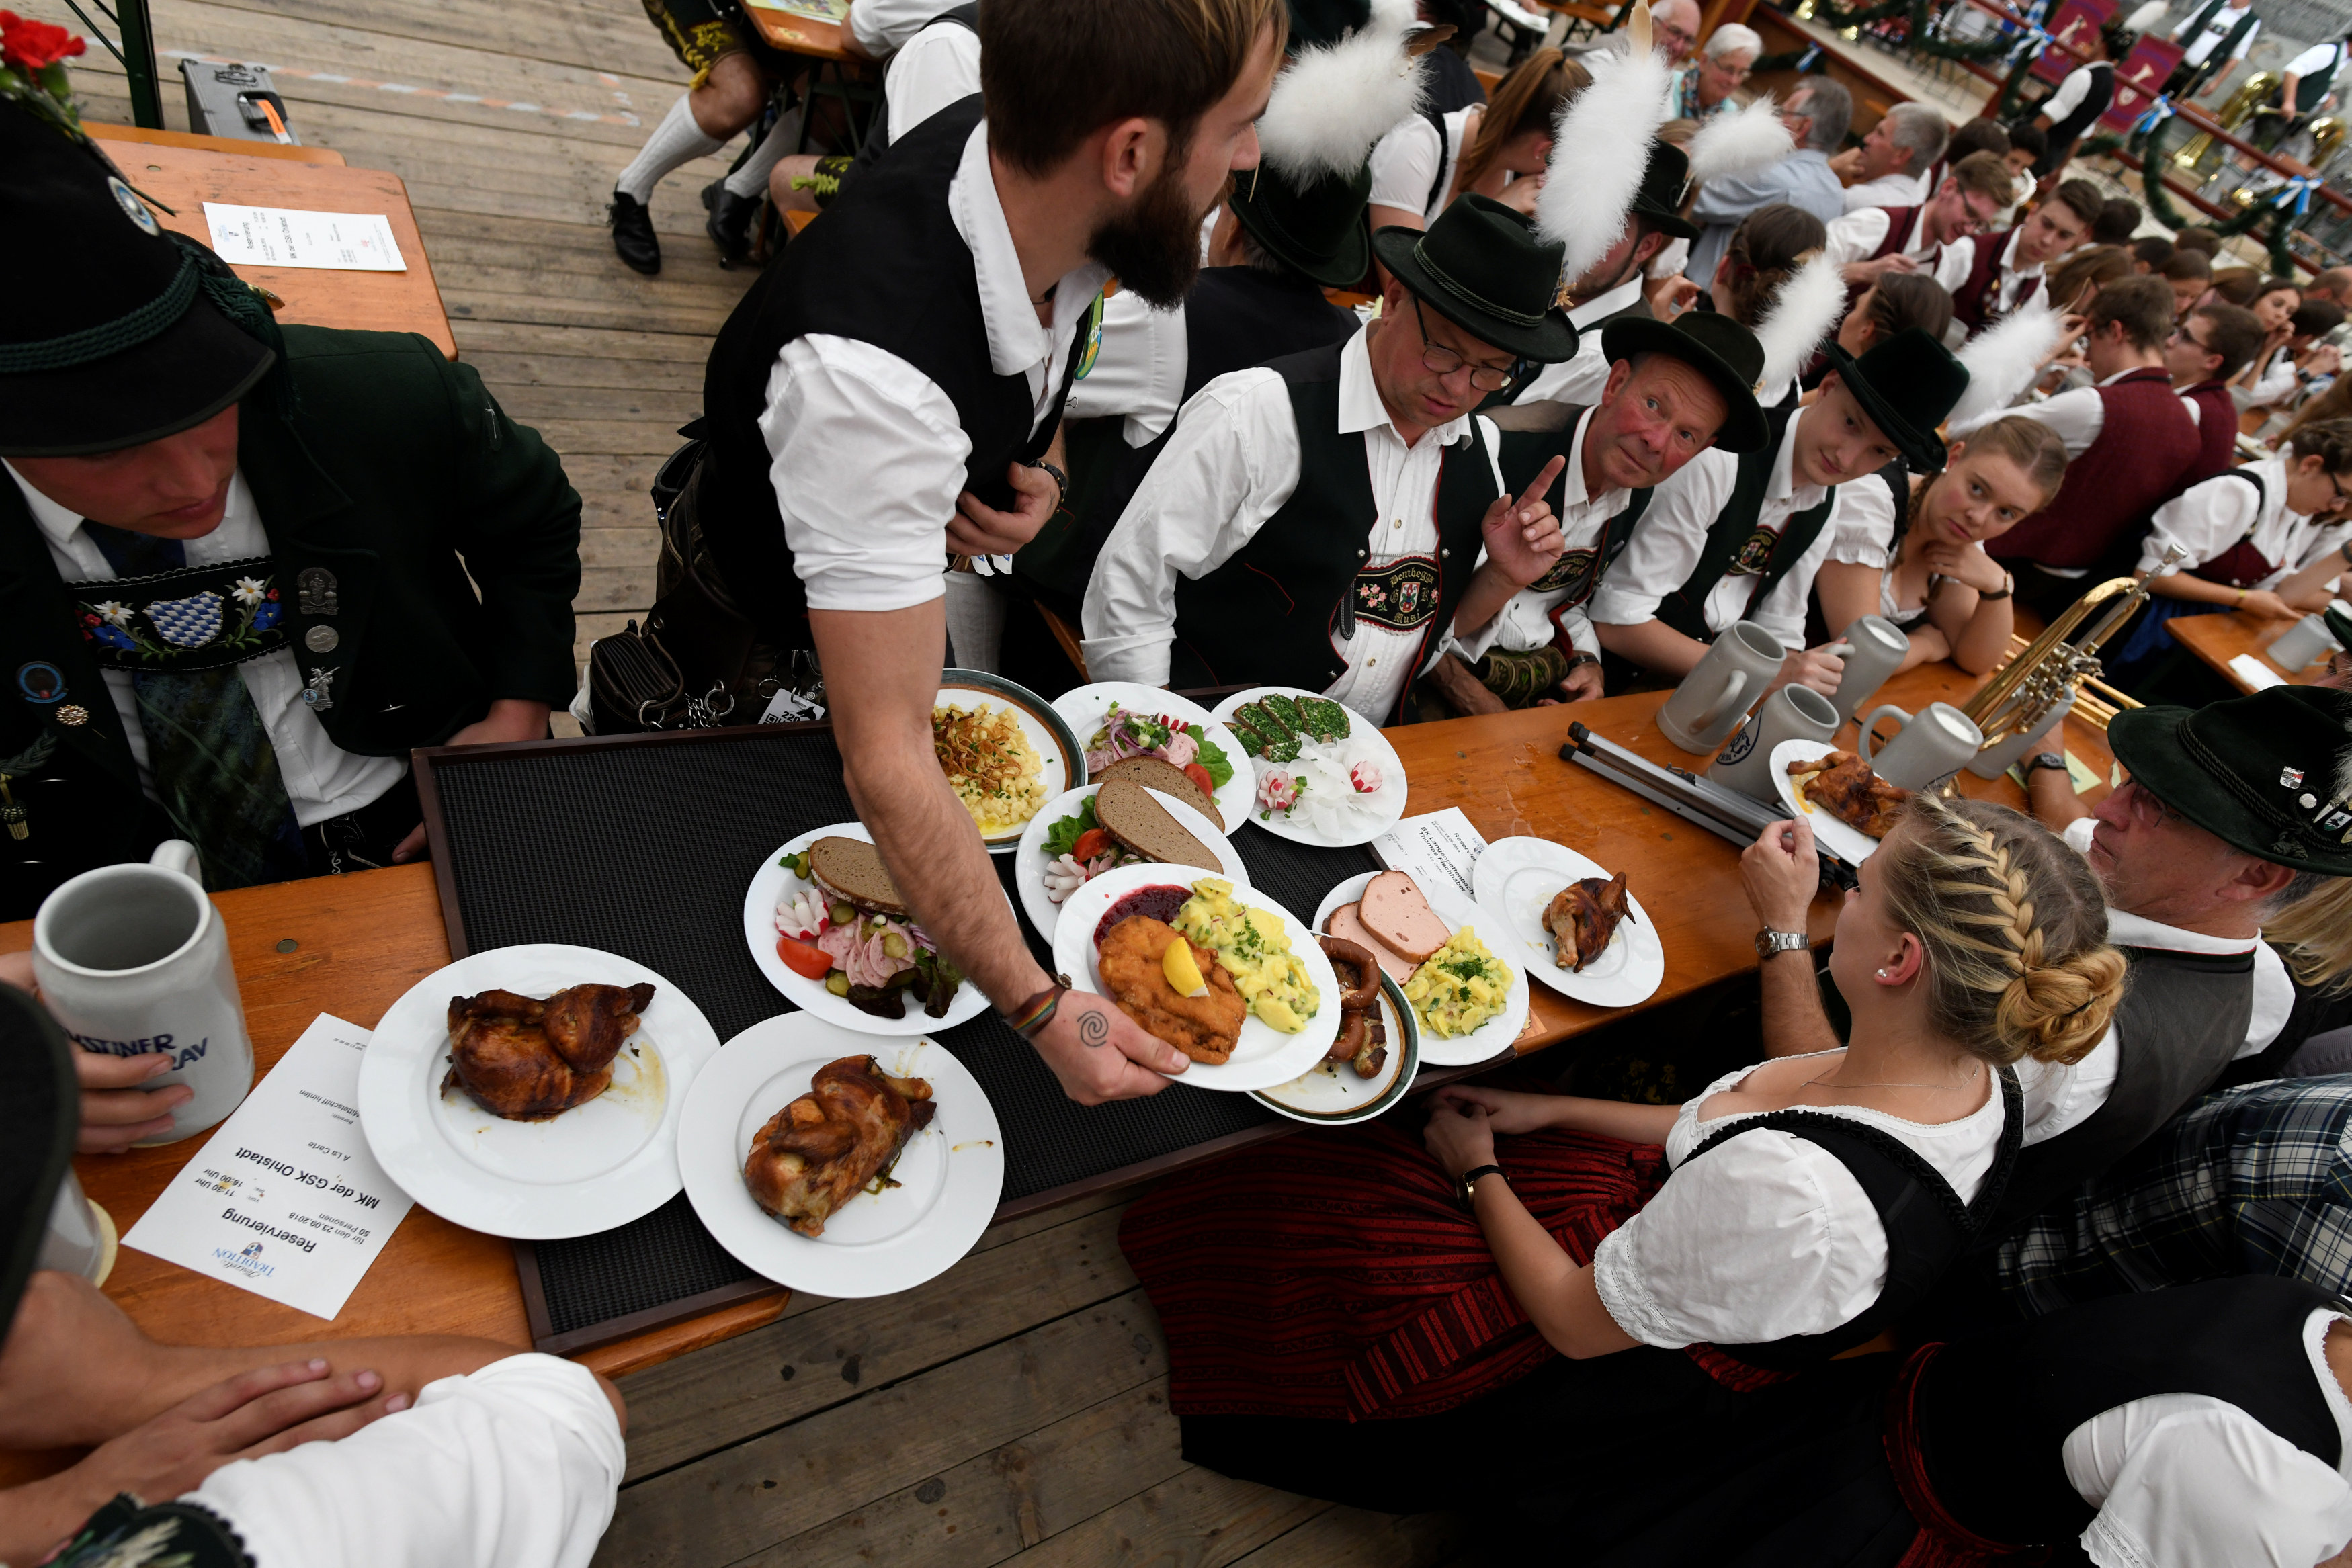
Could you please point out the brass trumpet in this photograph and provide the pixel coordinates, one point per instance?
(2038, 678)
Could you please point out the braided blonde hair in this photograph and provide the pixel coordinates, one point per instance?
(2014, 927)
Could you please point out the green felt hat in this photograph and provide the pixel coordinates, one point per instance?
(1481, 268)
(1907, 385)
(1664, 179)
(1714, 345)
(1317, 227)
(2269, 774)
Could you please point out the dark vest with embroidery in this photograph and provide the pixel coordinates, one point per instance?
(1580, 567)
(1265, 617)
(2182, 1022)
(889, 267)
(1735, 543)
(2147, 444)
(1994, 1410)
(1977, 302)
(2216, 430)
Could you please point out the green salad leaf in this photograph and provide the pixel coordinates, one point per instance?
(1212, 757)
(1062, 836)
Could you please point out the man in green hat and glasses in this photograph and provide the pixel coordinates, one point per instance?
(239, 564)
(1318, 522)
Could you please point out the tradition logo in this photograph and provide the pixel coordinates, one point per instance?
(245, 1262)
(1399, 596)
(1756, 555)
(1574, 571)
(1741, 744)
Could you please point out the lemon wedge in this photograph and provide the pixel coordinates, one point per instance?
(1183, 974)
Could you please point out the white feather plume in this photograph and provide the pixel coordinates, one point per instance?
(1805, 310)
(2003, 359)
(1333, 101)
(1599, 148)
(2147, 16)
(1739, 143)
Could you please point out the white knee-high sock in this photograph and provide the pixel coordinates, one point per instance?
(752, 177)
(677, 140)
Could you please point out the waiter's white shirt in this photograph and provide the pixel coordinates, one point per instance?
(2077, 414)
(938, 67)
(882, 26)
(1960, 258)
(1525, 619)
(1406, 161)
(1858, 234)
(2186, 1480)
(1232, 463)
(321, 778)
(1580, 380)
(515, 1465)
(2315, 60)
(2072, 91)
(2215, 31)
(2208, 519)
(1665, 547)
(1887, 190)
(867, 453)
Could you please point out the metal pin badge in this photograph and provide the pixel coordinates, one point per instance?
(322, 638)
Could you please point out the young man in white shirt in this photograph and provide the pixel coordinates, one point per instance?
(1741, 537)
(2001, 270)
(884, 395)
(1872, 241)
(1317, 522)
(2214, 38)
(1890, 167)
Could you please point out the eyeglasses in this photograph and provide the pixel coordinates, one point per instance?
(1439, 360)
(2337, 486)
(1666, 32)
(2147, 811)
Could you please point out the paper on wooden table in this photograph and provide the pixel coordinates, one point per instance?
(285, 1198)
(1437, 848)
(287, 236)
(2257, 675)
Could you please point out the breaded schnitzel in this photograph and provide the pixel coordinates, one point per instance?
(1203, 1028)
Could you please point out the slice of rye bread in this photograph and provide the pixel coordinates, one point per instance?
(1127, 811)
(851, 871)
(1157, 773)
(1396, 911)
(1347, 924)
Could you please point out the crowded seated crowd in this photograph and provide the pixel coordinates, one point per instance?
(1213, 344)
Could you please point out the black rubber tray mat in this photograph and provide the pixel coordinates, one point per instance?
(642, 846)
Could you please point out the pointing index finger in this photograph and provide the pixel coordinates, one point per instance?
(1544, 482)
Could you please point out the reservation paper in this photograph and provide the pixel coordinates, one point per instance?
(2255, 673)
(285, 1199)
(286, 237)
(1437, 848)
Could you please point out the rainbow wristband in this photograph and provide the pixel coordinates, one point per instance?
(1035, 1013)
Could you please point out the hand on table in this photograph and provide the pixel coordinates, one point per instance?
(115, 1111)
(1780, 872)
(1463, 690)
(1966, 564)
(2270, 606)
(1099, 1053)
(1523, 537)
(1508, 1112)
(1460, 1136)
(509, 718)
(979, 529)
(1815, 667)
(1581, 684)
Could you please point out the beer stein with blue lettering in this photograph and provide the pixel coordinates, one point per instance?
(132, 959)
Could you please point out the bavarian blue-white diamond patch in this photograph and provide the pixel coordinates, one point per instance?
(189, 623)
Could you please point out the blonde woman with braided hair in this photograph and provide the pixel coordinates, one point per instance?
(1547, 1285)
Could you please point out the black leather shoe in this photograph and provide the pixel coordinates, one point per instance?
(730, 221)
(632, 233)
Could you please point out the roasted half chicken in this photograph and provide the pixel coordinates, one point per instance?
(821, 1150)
(1584, 916)
(1850, 791)
(528, 1061)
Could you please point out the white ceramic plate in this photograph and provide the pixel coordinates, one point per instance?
(949, 1174)
(1029, 866)
(771, 884)
(1330, 1095)
(1848, 844)
(1365, 743)
(1060, 753)
(595, 1167)
(1264, 1056)
(1085, 706)
(1490, 1039)
(1517, 879)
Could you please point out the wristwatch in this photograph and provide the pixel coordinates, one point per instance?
(2008, 587)
(1579, 658)
(1472, 1176)
(1768, 942)
(2041, 759)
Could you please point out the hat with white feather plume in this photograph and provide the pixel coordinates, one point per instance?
(1601, 150)
(1805, 309)
(2269, 774)
(1739, 141)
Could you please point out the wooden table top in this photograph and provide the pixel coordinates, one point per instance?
(350, 945)
(185, 178)
(236, 146)
(797, 35)
(2221, 637)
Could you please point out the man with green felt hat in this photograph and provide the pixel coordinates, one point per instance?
(1318, 522)
(240, 563)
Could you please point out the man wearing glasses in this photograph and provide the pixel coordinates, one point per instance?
(1869, 242)
(1316, 522)
(2232, 814)
(2205, 354)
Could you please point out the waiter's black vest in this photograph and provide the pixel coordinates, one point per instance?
(1994, 1410)
(885, 267)
(2182, 1021)
(2216, 59)
(2061, 138)
(1265, 617)
(2310, 89)
(878, 129)
(1685, 610)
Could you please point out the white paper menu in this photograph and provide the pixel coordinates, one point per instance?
(287, 236)
(1436, 848)
(285, 1198)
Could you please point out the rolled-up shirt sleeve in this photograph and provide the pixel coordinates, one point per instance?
(1666, 541)
(868, 460)
(2077, 416)
(517, 1465)
(2205, 520)
(1232, 461)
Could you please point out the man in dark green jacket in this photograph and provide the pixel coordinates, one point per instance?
(242, 571)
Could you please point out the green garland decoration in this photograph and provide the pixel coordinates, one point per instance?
(2147, 146)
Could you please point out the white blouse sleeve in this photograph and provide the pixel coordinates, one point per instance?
(517, 1464)
(1862, 529)
(2208, 1484)
(1766, 1236)
(1405, 165)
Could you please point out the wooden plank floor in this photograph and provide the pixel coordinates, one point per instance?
(1014, 1410)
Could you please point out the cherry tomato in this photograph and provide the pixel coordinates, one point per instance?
(1092, 842)
(803, 958)
(1200, 776)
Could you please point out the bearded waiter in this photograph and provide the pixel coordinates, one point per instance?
(884, 394)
